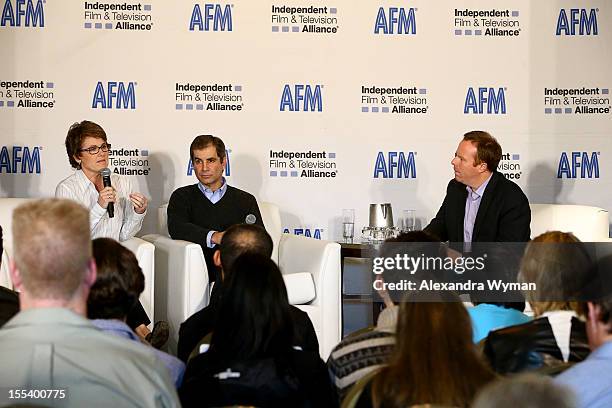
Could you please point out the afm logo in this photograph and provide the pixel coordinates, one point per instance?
(22, 13)
(395, 165)
(302, 98)
(20, 159)
(584, 21)
(307, 232)
(228, 168)
(215, 18)
(395, 21)
(485, 101)
(116, 95)
(589, 166)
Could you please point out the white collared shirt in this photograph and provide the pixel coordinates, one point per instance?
(126, 222)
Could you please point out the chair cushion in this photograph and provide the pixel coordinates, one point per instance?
(300, 287)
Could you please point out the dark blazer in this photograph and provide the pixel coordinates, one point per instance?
(503, 215)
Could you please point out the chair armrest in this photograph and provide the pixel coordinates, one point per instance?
(144, 252)
(322, 260)
(181, 282)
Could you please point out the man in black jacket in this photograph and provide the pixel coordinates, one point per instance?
(481, 205)
(201, 212)
(239, 240)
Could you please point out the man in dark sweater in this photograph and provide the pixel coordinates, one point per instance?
(239, 240)
(202, 212)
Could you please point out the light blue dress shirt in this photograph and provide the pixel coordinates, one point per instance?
(486, 317)
(472, 203)
(591, 380)
(214, 197)
(176, 368)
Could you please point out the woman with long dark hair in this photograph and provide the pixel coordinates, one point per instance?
(252, 359)
(434, 362)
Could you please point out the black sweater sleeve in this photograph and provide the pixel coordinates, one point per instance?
(179, 219)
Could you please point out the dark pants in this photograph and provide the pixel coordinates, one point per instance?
(137, 316)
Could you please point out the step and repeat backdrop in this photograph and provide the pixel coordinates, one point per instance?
(323, 105)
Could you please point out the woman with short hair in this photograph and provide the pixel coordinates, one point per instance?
(87, 148)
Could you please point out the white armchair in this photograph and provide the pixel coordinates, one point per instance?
(588, 224)
(143, 250)
(311, 269)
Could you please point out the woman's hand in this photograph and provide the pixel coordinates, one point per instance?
(107, 195)
(140, 202)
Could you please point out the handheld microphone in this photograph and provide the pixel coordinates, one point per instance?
(250, 219)
(106, 180)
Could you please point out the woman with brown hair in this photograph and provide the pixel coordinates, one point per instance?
(435, 360)
(556, 262)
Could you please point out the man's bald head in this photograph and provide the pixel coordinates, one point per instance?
(241, 239)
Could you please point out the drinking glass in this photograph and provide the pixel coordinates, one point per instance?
(408, 221)
(348, 225)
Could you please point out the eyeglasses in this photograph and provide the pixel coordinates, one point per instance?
(105, 147)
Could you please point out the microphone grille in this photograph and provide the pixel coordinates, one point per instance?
(105, 172)
(250, 219)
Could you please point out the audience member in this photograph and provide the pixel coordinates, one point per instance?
(237, 240)
(524, 391)
(556, 263)
(9, 300)
(434, 361)
(488, 316)
(358, 355)
(119, 283)
(50, 344)
(497, 309)
(591, 379)
(252, 359)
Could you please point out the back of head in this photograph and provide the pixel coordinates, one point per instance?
(434, 360)
(244, 238)
(525, 391)
(52, 247)
(254, 312)
(414, 244)
(557, 262)
(119, 281)
(488, 149)
(598, 290)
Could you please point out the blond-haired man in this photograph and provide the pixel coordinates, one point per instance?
(49, 349)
